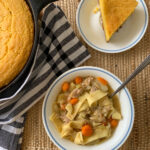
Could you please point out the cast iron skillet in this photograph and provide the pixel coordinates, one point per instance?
(17, 84)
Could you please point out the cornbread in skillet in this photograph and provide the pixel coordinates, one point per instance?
(16, 38)
(114, 13)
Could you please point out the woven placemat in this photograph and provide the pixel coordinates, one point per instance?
(123, 64)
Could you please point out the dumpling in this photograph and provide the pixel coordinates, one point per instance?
(79, 138)
(67, 130)
(116, 115)
(77, 124)
(84, 106)
(55, 119)
(77, 107)
(106, 101)
(99, 132)
(95, 96)
(69, 109)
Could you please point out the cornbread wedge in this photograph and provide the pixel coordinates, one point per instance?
(114, 13)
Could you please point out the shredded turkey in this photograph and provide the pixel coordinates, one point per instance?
(106, 109)
(63, 117)
(94, 88)
(98, 116)
(87, 81)
(75, 93)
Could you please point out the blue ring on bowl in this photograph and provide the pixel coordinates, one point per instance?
(99, 70)
(122, 49)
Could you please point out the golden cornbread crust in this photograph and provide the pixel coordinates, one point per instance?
(115, 13)
(16, 38)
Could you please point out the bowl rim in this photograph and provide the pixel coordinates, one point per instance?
(122, 141)
(139, 37)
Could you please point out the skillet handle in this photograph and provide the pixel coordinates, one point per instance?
(38, 5)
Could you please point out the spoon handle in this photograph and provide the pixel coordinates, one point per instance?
(137, 70)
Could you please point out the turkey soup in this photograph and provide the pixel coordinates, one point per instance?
(83, 113)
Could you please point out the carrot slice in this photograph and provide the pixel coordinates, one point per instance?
(65, 86)
(102, 80)
(63, 106)
(73, 101)
(114, 123)
(78, 80)
(87, 130)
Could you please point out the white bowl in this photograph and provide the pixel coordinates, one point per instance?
(127, 109)
(128, 36)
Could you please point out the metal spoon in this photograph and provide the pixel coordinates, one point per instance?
(137, 70)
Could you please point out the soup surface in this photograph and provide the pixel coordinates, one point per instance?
(83, 113)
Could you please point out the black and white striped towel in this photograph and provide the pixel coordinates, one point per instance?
(59, 50)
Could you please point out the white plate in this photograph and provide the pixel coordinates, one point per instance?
(128, 36)
(127, 109)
